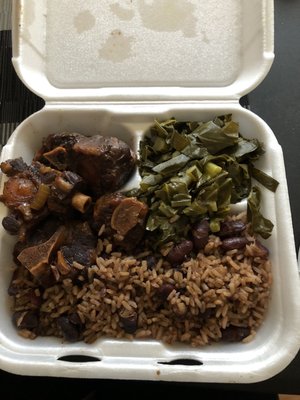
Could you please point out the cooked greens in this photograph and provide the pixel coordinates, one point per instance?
(260, 225)
(193, 170)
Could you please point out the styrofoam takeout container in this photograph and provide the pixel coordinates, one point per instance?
(112, 67)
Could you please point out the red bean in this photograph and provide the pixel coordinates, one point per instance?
(25, 319)
(235, 334)
(231, 228)
(200, 234)
(11, 224)
(261, 250)
(164, 290)
(179, 252)
(69, 330)
(236, 242)
(128, 320)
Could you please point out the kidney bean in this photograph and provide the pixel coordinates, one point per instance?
(236, 242)
(35, 300)
(208, 313)
(164, 290)
(200, 234)
(151, 262)
(231, 228)
(235, 333)
(11, 224)
(128, 320)
(261, 250)
(25, 319)
(179, 252)
(75, 319)
(69, 330)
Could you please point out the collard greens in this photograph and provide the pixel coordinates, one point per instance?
(193, 170)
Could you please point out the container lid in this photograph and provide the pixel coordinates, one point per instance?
(142, 50)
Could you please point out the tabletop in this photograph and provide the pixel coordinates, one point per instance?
(276, 100)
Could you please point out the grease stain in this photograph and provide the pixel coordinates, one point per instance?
(84, 21)
(169, 16)
(117, 47)
(125, 14)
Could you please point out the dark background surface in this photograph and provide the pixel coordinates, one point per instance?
(277, 101)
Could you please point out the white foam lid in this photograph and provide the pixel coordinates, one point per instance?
(142, 50)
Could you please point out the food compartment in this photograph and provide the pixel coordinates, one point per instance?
(251, 361)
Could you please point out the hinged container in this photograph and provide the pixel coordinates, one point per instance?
(112, 67)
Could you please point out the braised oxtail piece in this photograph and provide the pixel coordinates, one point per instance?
(124, 219)
(105, 163)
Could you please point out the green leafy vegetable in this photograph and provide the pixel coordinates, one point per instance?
(172, 165)
(193, 170)
(266, 180)
(214, 137)
(259, 224)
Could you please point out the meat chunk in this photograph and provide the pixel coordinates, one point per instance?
(123, 217)
(129, 213)
(25, 193)
(104, 208)
(22, 183)
(64, 139)
(34, 191)
(63, 189)
(74, 257)
(40, 234)
(14, 166)
(18, 191)
(48, 258)
(68, 172)
(57, 157)
(79, 250)
(37, 258)
(67, 182)
(105, 163)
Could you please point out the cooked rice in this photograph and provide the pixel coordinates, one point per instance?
(209, 293)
